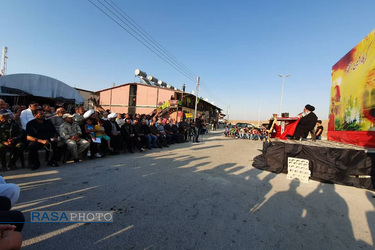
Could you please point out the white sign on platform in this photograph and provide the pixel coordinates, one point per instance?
(298, 169)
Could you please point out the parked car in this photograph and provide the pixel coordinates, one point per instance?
(242, 125)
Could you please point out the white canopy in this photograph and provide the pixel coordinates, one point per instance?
(39, 85)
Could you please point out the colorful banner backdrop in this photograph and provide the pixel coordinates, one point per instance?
(352, 103)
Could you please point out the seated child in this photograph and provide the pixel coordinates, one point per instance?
(90, 131)
(226, 131)
(100, 133)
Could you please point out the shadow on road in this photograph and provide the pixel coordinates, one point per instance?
(183, 198)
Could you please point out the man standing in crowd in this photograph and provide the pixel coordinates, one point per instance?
(139, 140)
(57, 120)
(214, 124)
(198, 127)
(41, 133)
(183, 127)
(27, 114)
(10, 140)
(319, 130)
(70, 132)
(306, 123)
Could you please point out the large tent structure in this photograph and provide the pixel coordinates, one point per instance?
(33, 85)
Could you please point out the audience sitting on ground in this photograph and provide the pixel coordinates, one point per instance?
(254, 134)
(226, 131)
(246, 133)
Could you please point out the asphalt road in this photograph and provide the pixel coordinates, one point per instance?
(192, 196)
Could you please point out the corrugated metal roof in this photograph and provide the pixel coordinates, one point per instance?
(39, 85)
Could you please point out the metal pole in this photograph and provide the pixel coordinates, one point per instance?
(196, 99)
(110, 100)
(282, 93)
(228, 112)
(260, 105)
(182, 102)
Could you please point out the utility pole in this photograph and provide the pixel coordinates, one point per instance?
(110, 99)
(4, 61)
(228, 109)
(260, 105)
(196, 99)
(282, 91)
(182, 102)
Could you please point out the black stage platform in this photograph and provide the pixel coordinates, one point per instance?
(328, 161)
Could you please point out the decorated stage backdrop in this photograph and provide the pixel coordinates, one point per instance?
(352, 107)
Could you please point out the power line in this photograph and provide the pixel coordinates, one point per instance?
(154, 41)
(139, 40)
(136, 30)
(149, 42)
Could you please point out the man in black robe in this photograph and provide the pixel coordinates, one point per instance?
(306, 123)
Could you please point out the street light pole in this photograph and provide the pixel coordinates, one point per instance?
(282, 92)
(196, 99)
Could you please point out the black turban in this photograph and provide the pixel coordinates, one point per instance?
(309, 107)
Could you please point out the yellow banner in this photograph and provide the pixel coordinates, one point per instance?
(352, 103)
(189, 115)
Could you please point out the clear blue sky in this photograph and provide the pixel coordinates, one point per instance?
(238, 48)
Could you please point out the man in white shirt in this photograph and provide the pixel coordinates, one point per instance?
(27, 114)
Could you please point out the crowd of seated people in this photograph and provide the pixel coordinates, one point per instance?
(246, 133)
(80, 134)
